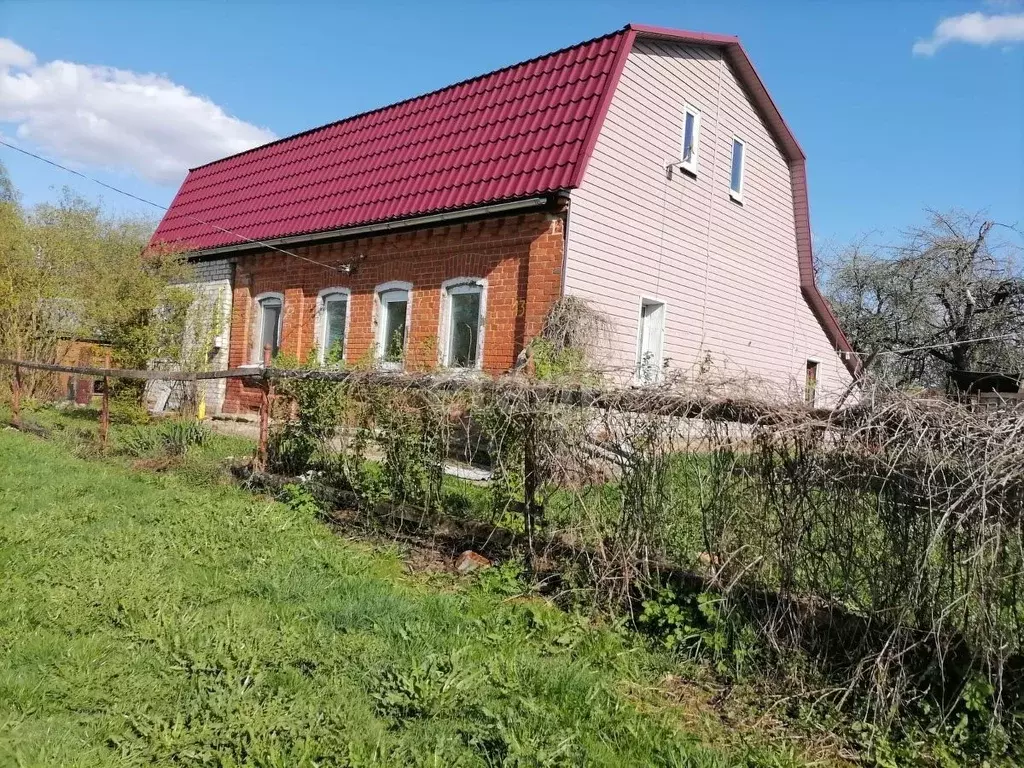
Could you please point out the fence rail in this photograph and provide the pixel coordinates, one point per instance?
(126, 373)
(639, 399)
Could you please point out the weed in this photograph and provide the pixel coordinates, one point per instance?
(429, 687)
(300, 500)
(506, 579)
(137, 441)
(179, 436)
(696, 624)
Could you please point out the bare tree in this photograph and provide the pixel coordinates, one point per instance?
(949, 298)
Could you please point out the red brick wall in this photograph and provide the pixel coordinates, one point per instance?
(520, 255)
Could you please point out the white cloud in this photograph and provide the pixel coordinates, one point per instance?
(114, 118)
(13, 55)
(976, 28)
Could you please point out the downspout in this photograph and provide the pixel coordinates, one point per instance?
(566, 219)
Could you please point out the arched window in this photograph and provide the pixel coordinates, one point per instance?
(267, 329)
(331, 324)
(463, 308)
(393, 305)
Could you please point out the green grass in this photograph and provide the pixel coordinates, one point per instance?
(151, 619)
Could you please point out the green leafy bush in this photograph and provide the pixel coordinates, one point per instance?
(505, 579)
(300, 500)
(302, 441)
(698, 624)
(125, 408)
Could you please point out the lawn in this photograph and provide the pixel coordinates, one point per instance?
(155, 619)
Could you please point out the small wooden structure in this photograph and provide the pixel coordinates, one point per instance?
(989, 390)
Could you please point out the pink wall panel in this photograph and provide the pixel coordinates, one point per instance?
(728, 273)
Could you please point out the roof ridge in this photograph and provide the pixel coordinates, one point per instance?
(392, 105)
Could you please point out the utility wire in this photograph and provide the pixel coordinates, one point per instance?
(165, 208)
(336, 269)
(944, 344)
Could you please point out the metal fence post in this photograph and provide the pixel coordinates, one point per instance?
(105, 409)
(267, 388)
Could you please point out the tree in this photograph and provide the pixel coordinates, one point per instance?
(949, 298)
(68, 270)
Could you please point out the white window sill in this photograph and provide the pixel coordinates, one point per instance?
(462, 371)
(736, 197)
(689, 169)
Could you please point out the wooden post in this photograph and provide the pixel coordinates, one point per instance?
(531, 507)
(16, 397)
(105, 409)
(267, 386)
(16, 391)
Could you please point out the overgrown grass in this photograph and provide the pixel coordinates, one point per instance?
(151, 619)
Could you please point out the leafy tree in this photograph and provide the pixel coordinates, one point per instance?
(950, 297)
(68, 270)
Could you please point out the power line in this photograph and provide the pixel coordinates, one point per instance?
(165, 208)
(944, 344)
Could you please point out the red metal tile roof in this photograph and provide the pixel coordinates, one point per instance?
(514, 133)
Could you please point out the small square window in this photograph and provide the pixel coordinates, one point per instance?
(736, 178)
(691, 139)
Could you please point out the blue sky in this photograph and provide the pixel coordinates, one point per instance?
(888, 131)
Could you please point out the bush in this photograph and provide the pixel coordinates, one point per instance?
(126, 409)
(302, 442)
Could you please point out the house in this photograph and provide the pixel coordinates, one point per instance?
(647, 171)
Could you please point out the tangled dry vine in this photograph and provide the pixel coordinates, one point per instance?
(882, 542)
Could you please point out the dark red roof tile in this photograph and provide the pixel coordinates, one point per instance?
(517, 132)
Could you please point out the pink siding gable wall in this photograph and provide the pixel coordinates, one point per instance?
(728, 273)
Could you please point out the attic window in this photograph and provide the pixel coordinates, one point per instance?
(736, 178)
(811, 383)
(691, 139)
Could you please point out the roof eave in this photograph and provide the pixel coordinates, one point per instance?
(412, 222)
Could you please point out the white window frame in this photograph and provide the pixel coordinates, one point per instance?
(448, 289)
(659, 354)
(690, 166)
(737, 195)
(256, 348)
(379, 300)
(321, 321)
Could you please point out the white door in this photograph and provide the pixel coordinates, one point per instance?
(650, 341)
